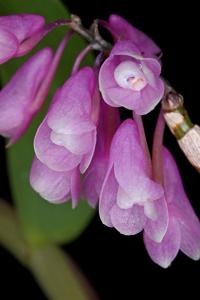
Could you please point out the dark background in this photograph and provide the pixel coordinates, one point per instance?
(118, 266)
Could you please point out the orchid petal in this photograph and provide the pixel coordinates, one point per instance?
(53, 156)
(156, 229)
(131, 166)
(73, 104)
(19, 94)
(8, 45)
(190, 240)
(108, 197)
(51, 185)
(87, 158)
(126, 31)
(128, 221)
(163, 253)
(22, 26)
(78, 144)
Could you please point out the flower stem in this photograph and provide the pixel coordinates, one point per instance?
(157, 162)
(91, 35)
(143, 140)
(11, 237)
(53, 269)
(57, 275)
(43, 91)
(79, 58)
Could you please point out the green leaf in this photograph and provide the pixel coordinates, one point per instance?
(42, 222)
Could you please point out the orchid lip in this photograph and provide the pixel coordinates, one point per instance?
(129, 75)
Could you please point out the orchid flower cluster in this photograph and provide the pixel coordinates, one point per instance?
(82, 149)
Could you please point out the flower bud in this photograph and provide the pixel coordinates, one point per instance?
(19, 34)
(17, 97)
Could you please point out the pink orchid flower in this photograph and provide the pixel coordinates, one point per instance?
(25, 93)
(65, 141)
(130, 80)
(67, 136)
(183, 231)
(128, 193)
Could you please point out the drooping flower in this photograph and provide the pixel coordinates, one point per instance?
(25, 93)
(128, 194)
(65, 141)
(183, 231)
(19, 94)
(19, 34)
(95, 174)
(123, 30)
(130, 80)
(67, 136)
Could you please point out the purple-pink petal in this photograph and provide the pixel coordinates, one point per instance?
(181, 208)
(55, 157)
(17, 29)
(125, 31)
(8, 45)
(78, 144)
(163, 253)
(128, 221)
(108, 197)
(76, 125)
(130, 100)
(73, 108)
(22, 25)
(156, 229)
(131, 165)
(190, 240)
(174, 189)
(127, 48)
(150, 98)
(93, 180)
(124, 201)
(95, 174)
(51, 185)
(87, 157)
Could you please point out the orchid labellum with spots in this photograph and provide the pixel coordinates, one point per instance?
(82, 149)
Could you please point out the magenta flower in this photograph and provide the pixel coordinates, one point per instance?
(67, 136)
(25, 93)
(183, 231)
(19, 34)
(128, 194)
(122, 30)
(65, 141)
(18, 96)
(127, 79)
(95, 174)
(80, 147)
